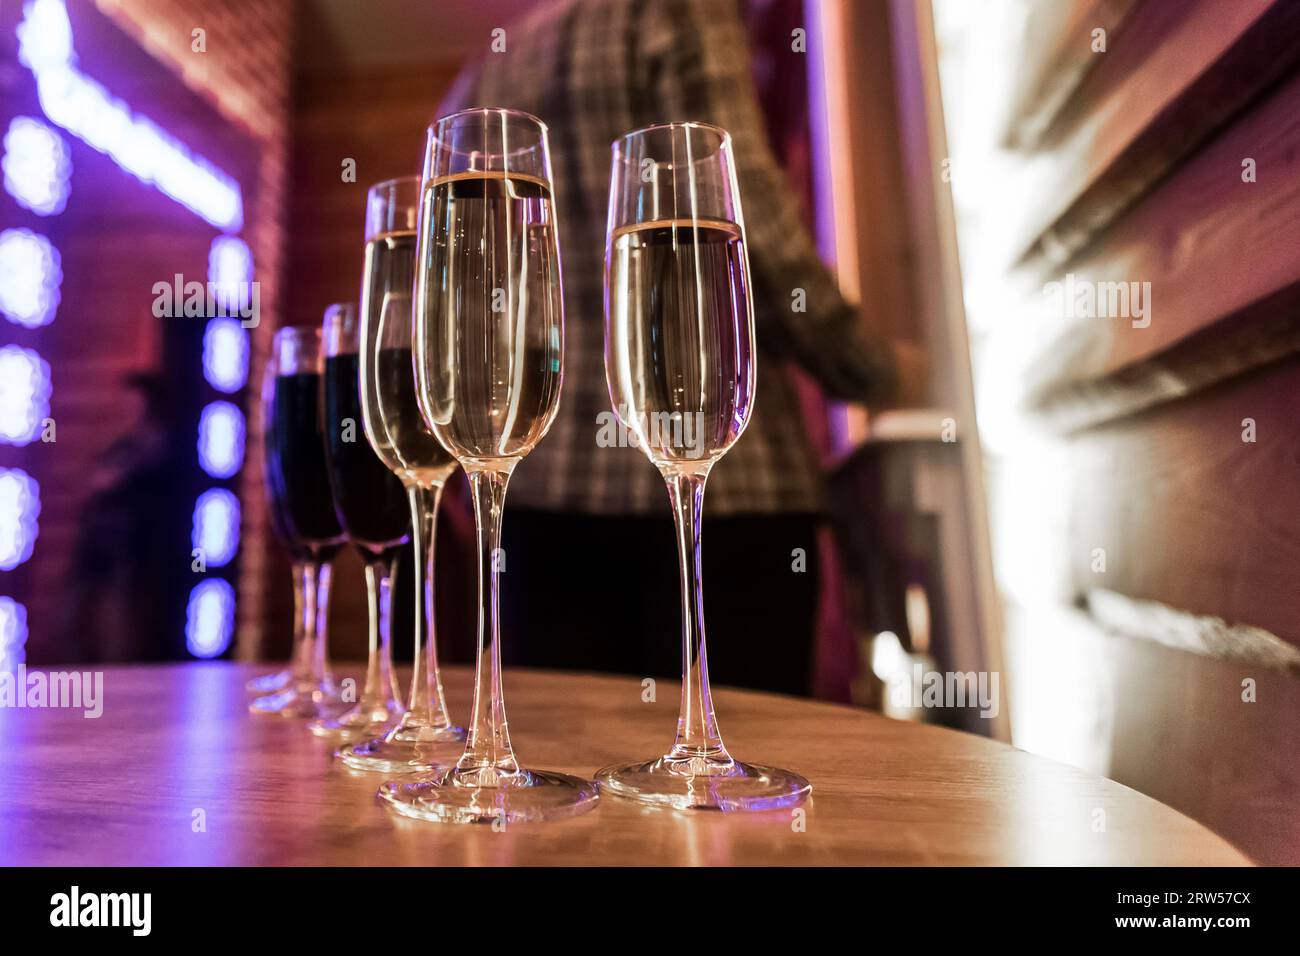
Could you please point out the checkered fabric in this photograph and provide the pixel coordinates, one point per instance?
(593, 70)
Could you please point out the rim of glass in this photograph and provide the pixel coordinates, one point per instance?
(675, 124)
(306, 349)
(330, 311)
(297, 331)
(506, 111)
(393, 181)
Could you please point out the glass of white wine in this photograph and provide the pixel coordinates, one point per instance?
(489, 349)
(680, 364)
(396, 431)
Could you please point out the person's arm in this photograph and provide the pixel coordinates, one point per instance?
(698, 66)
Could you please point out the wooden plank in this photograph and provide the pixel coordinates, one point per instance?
(1059, 55)
(1188, 513)
(1197, 633)
(1265, 332)
(872, 238)
(1176, 75)
(1210, 246)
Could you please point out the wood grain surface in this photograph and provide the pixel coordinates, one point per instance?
(124, 788)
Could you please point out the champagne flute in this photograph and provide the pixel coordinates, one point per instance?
(371, 506)
(405, 445)
(268, 684)
(301, 512)
(680, 364)
(489, 345)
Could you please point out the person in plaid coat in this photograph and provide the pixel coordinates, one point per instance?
(592, 580)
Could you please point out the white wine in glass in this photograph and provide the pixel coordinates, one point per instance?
(489, 355)
(680, 364)
(425, 736)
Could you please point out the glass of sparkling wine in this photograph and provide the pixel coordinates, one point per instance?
(680, 364)
(489, 347)
(302, 517)
(372, 507)
(404, 443)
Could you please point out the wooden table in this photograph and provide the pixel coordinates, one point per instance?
(125, 788)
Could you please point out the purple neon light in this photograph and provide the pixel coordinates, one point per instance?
(30, 275)
(13, 634)
(20, 506)
(210, 618)
(216, 526)
(24, 395)
(225, 354)
(230, 270)
(221, 439)
(88, 111)
(36, 166)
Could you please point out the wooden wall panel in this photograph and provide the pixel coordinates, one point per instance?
(1145, 476)
(1209, 244)
(1191, 515)
(1173, 75)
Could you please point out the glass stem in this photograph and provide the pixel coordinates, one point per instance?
(697, 728)
(427, 701)
(488, 754)
(300, 657)
(381, 683)
(317, 620)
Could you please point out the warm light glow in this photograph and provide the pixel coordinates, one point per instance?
(24, 394)
(36, 166)
(889, 662)
(30, 275)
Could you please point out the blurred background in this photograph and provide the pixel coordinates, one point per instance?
(1093, 499)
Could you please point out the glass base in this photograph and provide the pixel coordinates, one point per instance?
(362, 721)
(700, 784)
(413, 746)
(269, 683)
(320, 703)
(526, 796)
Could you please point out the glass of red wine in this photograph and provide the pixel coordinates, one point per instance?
(372, 508)
(302, 516)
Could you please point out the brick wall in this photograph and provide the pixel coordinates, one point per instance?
(376, 117)
(246, 73)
